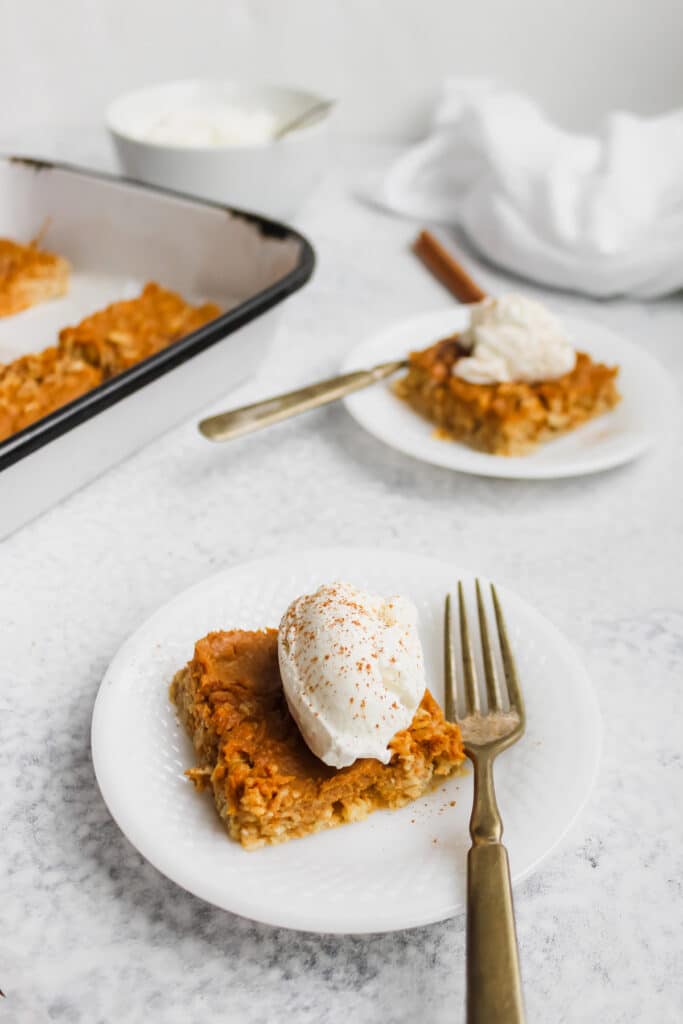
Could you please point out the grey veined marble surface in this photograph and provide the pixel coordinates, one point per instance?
(91, 934)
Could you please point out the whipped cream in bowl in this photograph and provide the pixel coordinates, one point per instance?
(216, 124)
(352, 671)
(513, 338)
(218, 140)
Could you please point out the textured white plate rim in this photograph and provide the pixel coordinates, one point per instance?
(133, 825)
(417, 442)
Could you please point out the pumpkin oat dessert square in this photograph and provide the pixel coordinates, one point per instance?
(100, 346)
(29, 275)
(34, 385)
(128, 331)
(508, 418)
(267, 784)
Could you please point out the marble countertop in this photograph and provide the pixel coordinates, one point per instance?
(92, 934)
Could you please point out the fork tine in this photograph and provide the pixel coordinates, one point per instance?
(492, 688)
(449, 663)
(511, 678)
(469, 671)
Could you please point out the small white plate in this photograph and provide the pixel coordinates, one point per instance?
(609, 440)
(395, 870)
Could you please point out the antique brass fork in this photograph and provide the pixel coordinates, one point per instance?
(494, 988)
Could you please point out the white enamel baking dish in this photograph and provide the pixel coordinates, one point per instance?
(118, 234)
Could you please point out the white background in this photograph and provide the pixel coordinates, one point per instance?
(61, 62)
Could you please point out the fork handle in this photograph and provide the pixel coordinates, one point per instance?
(494, 989)
(245, 420)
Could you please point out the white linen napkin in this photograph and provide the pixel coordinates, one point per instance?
(597, 214)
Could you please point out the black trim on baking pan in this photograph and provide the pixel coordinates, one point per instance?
(112, 391)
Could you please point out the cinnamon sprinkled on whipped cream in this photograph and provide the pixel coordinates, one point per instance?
(352, 671)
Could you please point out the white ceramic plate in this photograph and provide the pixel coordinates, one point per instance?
(395, 870)
(608, 441)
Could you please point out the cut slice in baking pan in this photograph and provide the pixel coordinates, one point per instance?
(117, 235)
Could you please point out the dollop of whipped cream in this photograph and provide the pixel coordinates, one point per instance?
(513, 338)
(352, 670)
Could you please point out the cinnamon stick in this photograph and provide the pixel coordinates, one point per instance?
(446, 269)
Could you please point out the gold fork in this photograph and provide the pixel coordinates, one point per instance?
(494, 987)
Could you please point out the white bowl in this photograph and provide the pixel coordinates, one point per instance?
(273, 177)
